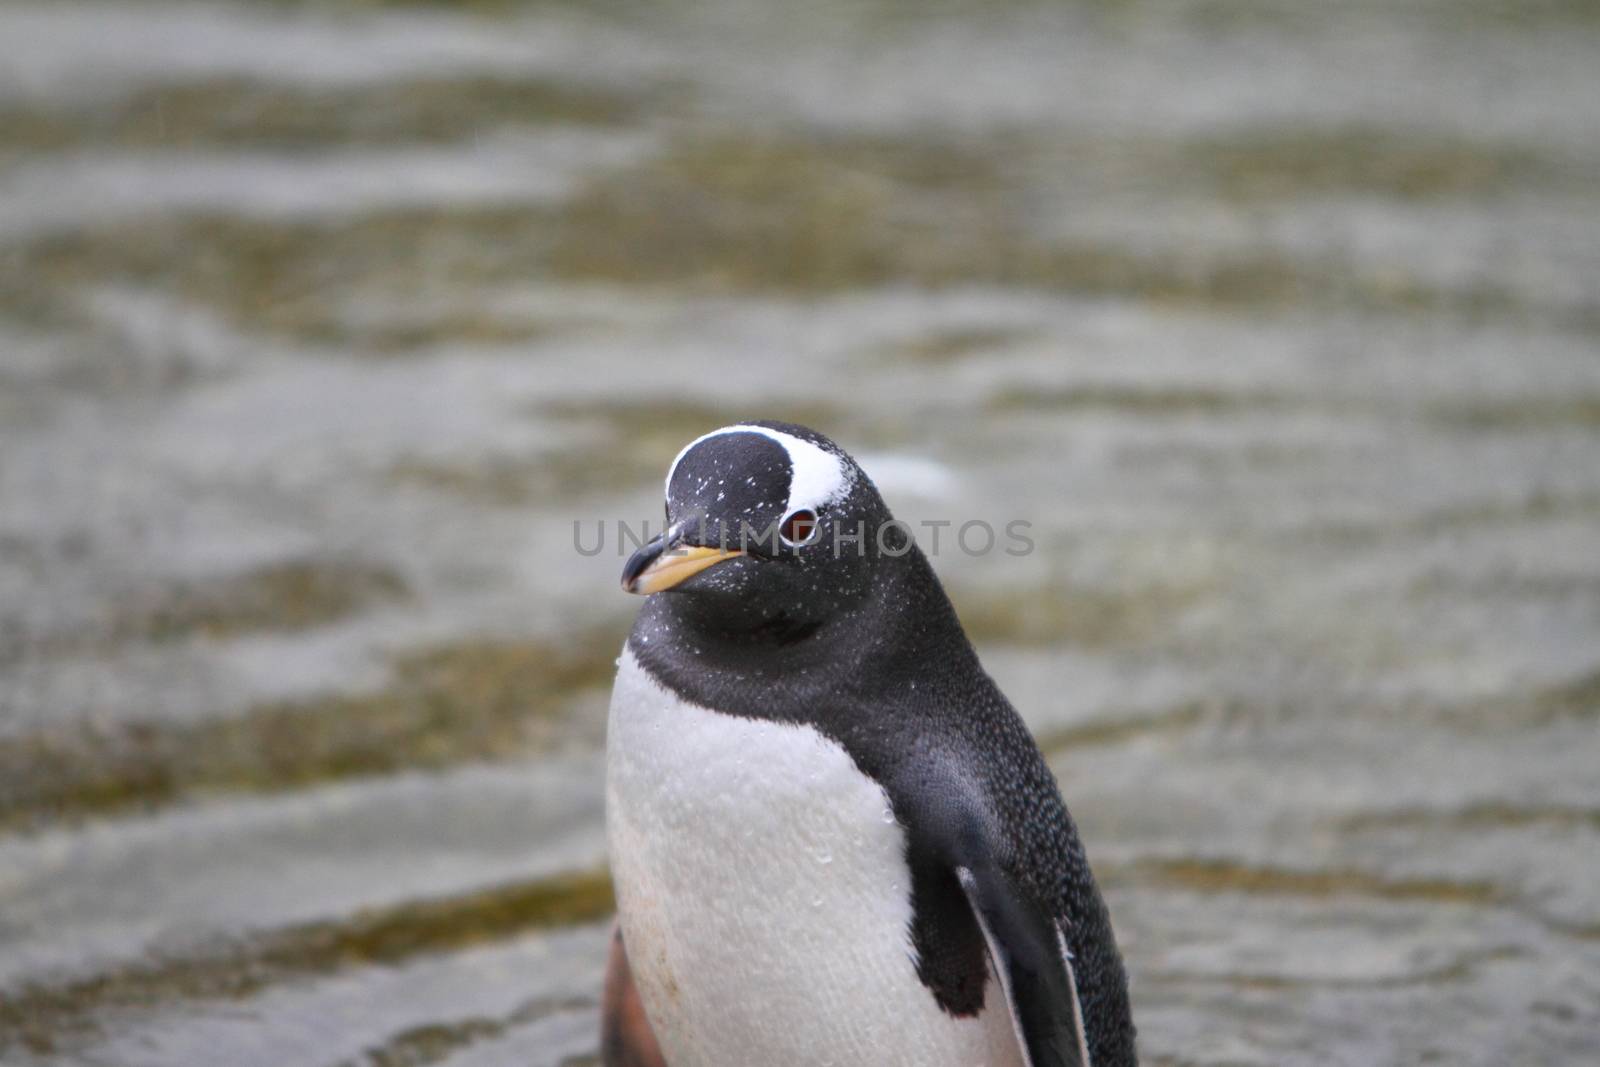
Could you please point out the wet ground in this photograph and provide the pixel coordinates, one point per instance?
(321, 323)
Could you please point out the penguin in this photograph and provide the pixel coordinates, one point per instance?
(832, 839)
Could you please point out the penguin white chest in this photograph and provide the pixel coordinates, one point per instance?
(764, 896)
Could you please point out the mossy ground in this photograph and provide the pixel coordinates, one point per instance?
(735, 210)
(238, 113)
(448, 705)
(41, 1017)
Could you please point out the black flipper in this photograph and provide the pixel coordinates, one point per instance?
(1032, 960)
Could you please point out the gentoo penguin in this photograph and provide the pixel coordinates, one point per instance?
(832, 838)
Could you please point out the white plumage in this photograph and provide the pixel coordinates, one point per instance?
(761, 878)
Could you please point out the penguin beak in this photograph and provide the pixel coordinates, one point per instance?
(661, 564)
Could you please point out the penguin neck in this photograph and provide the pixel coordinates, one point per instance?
(710, 655)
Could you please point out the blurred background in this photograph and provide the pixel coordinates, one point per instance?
(322, 323)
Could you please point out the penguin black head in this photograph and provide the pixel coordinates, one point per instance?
(767, 522)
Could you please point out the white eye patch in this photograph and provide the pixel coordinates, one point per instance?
(817, 477)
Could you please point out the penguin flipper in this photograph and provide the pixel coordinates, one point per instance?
(1033, 965)
(626, 1039)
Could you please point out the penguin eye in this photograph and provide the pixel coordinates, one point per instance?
(799, 528)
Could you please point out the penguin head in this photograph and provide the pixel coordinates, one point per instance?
(765, 520)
